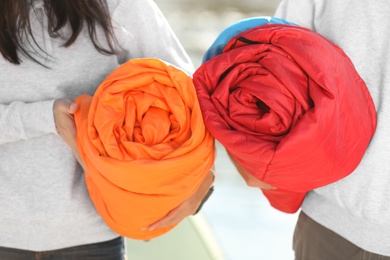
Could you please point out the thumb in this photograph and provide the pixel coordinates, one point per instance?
(65, 105)
(73, 107)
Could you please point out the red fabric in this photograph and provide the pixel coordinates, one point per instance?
(289, 106)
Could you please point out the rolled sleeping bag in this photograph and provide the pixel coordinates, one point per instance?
(289, 107)
(144, 144)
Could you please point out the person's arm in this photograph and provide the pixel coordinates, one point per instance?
(143, 32)
(22, 121)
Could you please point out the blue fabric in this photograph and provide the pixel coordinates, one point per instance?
(237, 28)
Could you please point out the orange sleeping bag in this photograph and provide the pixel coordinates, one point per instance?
(144, 145)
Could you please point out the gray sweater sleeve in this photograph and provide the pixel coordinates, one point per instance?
(143, 32)
(300, 12)
(20, 120)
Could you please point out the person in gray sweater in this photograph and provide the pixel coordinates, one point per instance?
(350, 219)
(53, 51)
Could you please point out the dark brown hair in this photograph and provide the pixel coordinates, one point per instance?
(15, 22)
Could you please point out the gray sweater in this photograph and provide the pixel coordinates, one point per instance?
(44, 203)
(357, 207)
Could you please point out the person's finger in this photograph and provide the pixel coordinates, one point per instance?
(170, 219)
(69, 106)
(66, 106)
(161, 223)
(78, 158)
(73, 107)
(186, 208)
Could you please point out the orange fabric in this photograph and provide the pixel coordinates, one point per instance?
(144, 144)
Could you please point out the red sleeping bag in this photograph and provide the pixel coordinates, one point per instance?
(289, 107)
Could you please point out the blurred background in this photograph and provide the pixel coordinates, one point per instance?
(237, 222)
(198, 22)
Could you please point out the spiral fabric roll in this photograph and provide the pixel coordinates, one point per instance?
(289, 107)
(144, 144)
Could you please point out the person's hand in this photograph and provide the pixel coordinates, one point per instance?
(250, 180)
(63, 117)
(186, 208)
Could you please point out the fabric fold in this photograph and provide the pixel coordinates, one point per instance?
(144, 143)
(289, 106)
